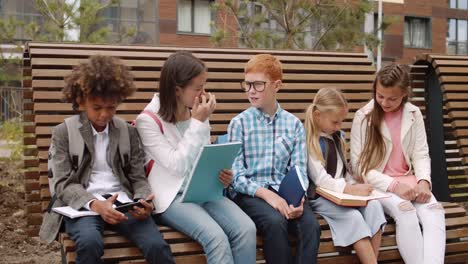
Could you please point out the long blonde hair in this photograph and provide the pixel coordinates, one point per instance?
(373, 152)
(327, 99)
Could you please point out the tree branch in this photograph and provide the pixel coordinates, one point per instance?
(330, 26)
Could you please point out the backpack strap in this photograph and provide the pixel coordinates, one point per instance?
(75, 146)
(124, 142)
(155, 118)
(158, 122)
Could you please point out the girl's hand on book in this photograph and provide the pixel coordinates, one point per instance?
(202, 109)
(275, 201)
(107, 212)
(143, 213)
(422, 192)
(225, 177)
(359, 189)
(296, 212)
(405, 191)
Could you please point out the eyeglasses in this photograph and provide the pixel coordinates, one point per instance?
(258, 86)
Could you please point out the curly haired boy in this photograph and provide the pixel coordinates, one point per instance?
(95, 88)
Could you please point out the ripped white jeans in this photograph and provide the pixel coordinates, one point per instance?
(416, 246)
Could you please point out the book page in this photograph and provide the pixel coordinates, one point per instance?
(72, 213)
(375, 195)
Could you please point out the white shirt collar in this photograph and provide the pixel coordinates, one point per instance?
(105, 131)
(321, 134)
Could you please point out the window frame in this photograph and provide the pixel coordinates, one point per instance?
(429, 29)
(118, 20)
(456, 42)
(456, 5)
(192, 21)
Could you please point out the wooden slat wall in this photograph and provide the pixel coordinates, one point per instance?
(452, 74)
(46, 65)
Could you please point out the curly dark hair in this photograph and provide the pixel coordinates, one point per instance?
(101, 76)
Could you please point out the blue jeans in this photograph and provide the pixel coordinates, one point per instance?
(226, 234)
(87, 234)
(275, 229)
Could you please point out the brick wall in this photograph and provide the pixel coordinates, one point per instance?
(436, 10)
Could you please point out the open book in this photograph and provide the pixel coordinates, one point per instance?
(203, 184)
(344, 199)
(73, 213)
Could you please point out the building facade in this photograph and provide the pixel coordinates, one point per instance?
(153, 22)
(425, 26)
(419, 26)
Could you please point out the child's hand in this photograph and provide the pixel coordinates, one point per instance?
(422, 192)
(359, 189)
(202, 110)
(107, 212)
(405, 191)
(225, 177)
(296, 212)
(275, 201)
(143, 213)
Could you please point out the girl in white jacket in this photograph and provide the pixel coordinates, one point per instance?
(327, 168)
(172, 135)
(389, 150)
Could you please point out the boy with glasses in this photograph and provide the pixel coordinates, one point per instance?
(273, 141)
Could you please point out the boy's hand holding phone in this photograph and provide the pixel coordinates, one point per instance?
(107, 212)
(142, 213)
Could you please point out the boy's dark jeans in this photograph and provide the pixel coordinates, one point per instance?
(274, 230)
(87, 234)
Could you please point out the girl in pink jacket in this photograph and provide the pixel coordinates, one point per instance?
(389, 150)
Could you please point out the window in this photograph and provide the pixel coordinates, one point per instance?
(457, 36)
(417, 32)
(458, 4)
(23, 11)
(194, 16)
(128, 16)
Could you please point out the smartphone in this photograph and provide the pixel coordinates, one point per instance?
(128, 206)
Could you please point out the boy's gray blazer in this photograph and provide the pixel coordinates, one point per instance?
(70, 186)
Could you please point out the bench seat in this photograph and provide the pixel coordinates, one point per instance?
(185, 250)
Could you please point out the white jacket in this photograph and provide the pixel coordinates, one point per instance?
(173, 154)
(413, 143)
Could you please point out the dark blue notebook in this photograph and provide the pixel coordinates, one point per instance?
(292, 189)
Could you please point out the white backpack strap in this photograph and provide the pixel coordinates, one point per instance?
(124, 142)
(75, 141)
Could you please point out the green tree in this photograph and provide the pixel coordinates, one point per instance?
(57, 16)
(82, 15)
(299, 24)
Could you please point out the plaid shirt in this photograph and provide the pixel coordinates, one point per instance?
(269, 147)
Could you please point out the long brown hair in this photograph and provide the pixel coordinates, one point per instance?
(373, 152)
(178, 71)
(327, 99)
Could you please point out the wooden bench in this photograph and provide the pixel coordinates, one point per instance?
(451, 78)
(45, 66)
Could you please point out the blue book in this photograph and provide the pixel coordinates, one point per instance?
(292, 188)
(203, 184)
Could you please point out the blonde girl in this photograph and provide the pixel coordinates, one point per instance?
(327, 168)
(389, 151)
